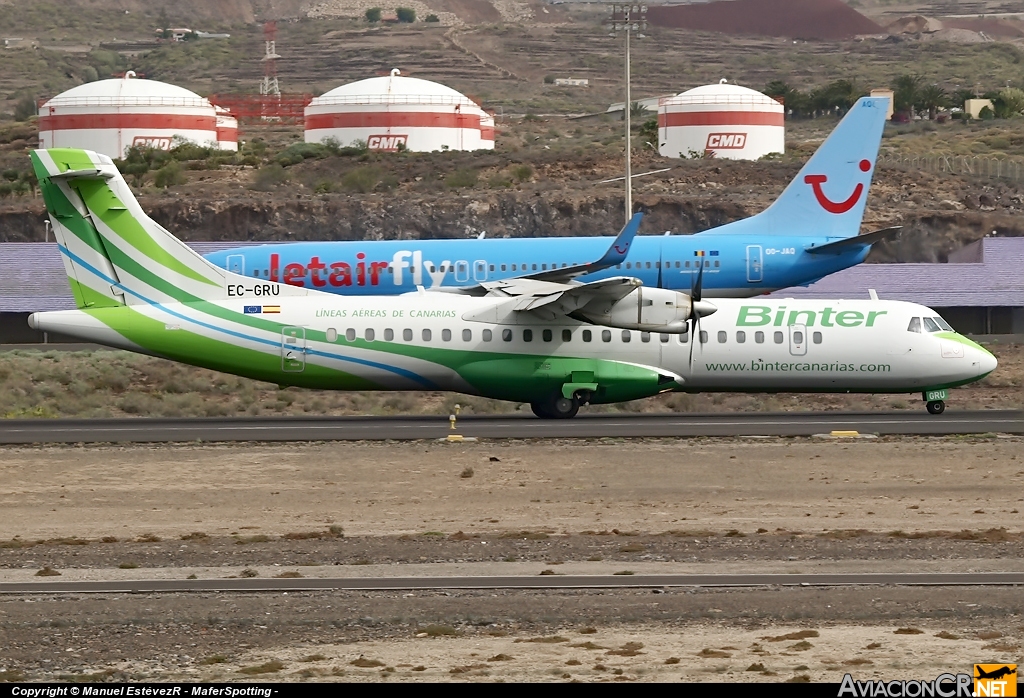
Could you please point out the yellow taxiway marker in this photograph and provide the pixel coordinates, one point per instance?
(844, 433)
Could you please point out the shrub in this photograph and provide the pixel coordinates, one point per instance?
(269, 177)
(373, 15)
(25, 109)
(169, 175)
(549, 79)
(296, 153)
(522, 173)
(462, 178)
(406, 15)
(362, 179)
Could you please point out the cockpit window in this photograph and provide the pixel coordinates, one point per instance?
(915, 325)
(930, 325)
(943, 324)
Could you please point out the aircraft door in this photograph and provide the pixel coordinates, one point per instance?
(236, 264)
(293, 349)
(798, 340)
(480, 270)
(755, 268)
(462, 271)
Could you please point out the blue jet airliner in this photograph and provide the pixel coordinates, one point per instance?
(810, 231)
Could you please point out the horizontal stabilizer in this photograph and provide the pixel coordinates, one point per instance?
(865, 240)
(82, 174)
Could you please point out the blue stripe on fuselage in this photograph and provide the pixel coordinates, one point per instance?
(392, 267)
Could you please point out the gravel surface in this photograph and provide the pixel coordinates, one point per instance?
(599, 507)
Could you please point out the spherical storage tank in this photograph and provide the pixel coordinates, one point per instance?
(729, 121)
(109, 116)
(395, 112)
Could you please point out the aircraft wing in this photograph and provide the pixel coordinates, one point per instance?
(556, 300)
(616, 254)
(552, 280)
(867, 239)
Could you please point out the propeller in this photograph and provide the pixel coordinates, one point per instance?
(698, 308)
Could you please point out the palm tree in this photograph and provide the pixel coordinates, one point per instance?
(905, 90)
(932, 98)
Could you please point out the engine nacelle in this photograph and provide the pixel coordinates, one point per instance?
(644, 309)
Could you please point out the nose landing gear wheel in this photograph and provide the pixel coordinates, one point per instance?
(936, 407)
(557, 407)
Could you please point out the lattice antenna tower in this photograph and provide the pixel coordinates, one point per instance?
(269, 84)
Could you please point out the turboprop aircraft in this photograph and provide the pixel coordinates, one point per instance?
(810, 231)
(548, 340)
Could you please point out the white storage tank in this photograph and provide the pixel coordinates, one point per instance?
(394, 112)
(109, 116)
(728, 121)
(227, 130)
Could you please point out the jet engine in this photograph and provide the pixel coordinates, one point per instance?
(647, 310)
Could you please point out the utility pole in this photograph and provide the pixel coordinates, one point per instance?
(628, 18)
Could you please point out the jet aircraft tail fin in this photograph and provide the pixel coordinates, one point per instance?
(113, 252)
(828, 195)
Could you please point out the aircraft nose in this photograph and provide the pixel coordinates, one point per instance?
(987, 361)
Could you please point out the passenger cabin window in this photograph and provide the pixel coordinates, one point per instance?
(566, 335)
(645, 336)
(546, 335)
(627, 336)
(606, 335)
(426, 335)
(369, 335)
(798, 338)
(778, 338)
(486, 335)
(759, 337)
(816, 337)
(446, 335)
(407, 335)
(467, 335)
(586, 335)
(684, 338)
(915, 325)
(389, 335)
(506, 335)
(703, 337)
(930, 325)
(723, 336)
(741, 337)
(332, 335)
(527, 335)
(664, 338)
(350, 334)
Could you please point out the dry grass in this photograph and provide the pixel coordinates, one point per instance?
(270, 667)
(118, 384)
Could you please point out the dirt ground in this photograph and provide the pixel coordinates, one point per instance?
(597, 507)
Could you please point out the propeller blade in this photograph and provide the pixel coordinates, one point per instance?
(700, 280)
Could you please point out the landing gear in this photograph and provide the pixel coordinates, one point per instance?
(556, 407)
(936, 407)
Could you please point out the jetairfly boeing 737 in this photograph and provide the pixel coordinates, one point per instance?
(555, 343)
(809, 232)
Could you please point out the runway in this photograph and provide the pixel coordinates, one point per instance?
(655, 581)
(145, 430)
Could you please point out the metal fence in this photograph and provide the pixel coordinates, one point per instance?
(969, 165)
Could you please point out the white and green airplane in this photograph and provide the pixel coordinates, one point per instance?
(546, 339)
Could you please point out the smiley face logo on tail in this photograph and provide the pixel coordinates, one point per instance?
(836, 206)
(621, 249)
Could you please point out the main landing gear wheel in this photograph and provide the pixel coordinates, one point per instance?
(557, 407)
(936, 407)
